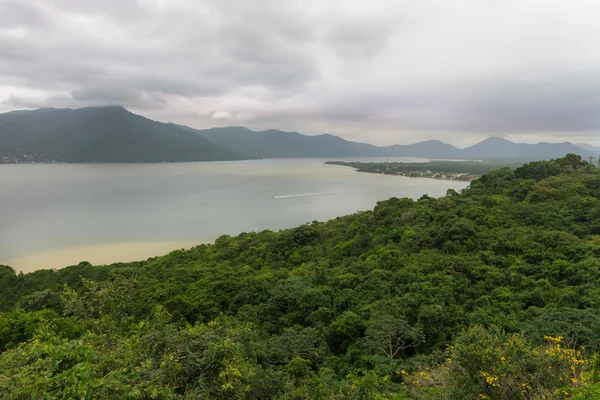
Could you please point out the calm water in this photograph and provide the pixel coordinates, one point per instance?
(59, 208)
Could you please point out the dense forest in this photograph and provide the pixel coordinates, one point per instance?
(99, 135)
(488, 293)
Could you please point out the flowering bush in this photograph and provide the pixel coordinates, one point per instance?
(491, 364)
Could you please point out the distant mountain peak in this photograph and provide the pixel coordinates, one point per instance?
(114, 107)
(109, 108)
(100, 134)
(496, 139)
(587, 147)
(114, 134)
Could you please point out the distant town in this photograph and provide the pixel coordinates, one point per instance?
(24, 158)
(430, 174)
(448, 170)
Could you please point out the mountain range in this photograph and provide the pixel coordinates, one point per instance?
(113, 134)
(274, 143)
(99, 134)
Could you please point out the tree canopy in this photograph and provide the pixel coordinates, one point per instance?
(488, 293)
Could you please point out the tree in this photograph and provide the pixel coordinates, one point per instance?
(389, 335)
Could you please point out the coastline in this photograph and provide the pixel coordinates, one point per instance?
(99, 254)
(408, 170)
(471, 177)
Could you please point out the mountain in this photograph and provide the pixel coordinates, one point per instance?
(280, 144)
(496, 147)
(429, 148)
(113, 134)
(99, 134)
(588, 147)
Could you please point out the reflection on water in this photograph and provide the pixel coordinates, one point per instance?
(59, 211)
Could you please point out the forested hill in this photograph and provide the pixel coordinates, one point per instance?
(99, 135)
(492, 293)
(113, 134)
(280, 144)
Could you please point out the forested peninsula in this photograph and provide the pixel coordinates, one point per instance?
(437, 169)
(488, 293)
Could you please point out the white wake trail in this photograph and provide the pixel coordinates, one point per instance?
(287, 196)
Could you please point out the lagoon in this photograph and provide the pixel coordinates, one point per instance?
(54, 215)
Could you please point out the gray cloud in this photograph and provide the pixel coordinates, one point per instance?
(381, 70)
(359, 39)
(17, 14)
(51, 101)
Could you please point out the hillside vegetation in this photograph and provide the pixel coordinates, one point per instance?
(113, 134)
(275, 144)
(492, 293)
(99, 135)
(456, 170)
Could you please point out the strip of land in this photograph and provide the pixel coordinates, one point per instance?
(449, 170)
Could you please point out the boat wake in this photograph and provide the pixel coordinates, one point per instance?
(287, 196)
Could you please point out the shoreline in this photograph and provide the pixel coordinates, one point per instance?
(410, 172)
(98, 254)
(473, 177)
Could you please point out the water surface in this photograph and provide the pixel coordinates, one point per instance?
(52, 215)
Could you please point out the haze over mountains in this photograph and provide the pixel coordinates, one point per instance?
(113, 134)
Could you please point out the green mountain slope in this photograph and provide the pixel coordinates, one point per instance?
(589, 147)
(102, 134)
(427, 149)
(280, 144)
(496, 147)
(491, 293)
(112, 134)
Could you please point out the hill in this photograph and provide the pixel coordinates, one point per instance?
(99, 134)
(427, 149)
(496, 147)
(280, 144)
(588, 147)
(113, 134)
(490, 293)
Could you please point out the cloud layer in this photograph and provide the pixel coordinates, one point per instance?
(382, 71)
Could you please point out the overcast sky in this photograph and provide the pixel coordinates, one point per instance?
(379, 71)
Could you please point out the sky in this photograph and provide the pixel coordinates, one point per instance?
(377, 71)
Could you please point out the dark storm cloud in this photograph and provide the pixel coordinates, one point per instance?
(346, 66)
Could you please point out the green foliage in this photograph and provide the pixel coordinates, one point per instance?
(491, 364)
(433, 169)
(359, 307)
(112, 134)
(389, 335)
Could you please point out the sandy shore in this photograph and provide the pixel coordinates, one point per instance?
(95, 254)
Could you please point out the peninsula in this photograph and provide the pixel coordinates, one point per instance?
(450, 170)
